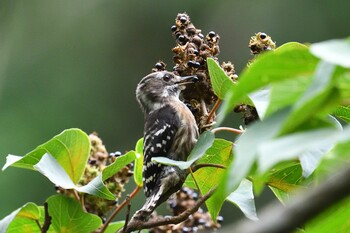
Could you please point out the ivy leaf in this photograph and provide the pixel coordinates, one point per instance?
(219, 153)
(333, 51)
(288, 61)
(50, 168)
(243, 198)
(205, 141)
(70, 148)
(68, 216)
(138, 163)
(220, 82)
(22, 220)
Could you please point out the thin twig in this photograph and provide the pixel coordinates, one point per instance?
(139, 225)
(213, 110)
(38, 223)
(202, 165)
(308, 204)
(76, 195)
(127, 216)
(232, 130)
(119, 208)
(47, 221)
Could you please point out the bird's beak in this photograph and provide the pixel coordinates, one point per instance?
(187, 80)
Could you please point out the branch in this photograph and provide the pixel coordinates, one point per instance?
(119, 208)
(213, 110)
(232, 130)
(139, 225)
(307, 205)
(47, 220)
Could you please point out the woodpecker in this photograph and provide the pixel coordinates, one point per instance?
(170, 130)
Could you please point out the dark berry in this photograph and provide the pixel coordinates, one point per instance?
(183, 19)
(158, 65)
(92, 161)
(195, 52)
(181, 38)
(263, 35)
(173, 28)
(201, 35)
(186, 229)
(195, 196)
(201, 221)
(191, 63)
(197, 64)
(211, 34)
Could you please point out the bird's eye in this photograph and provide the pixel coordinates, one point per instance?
(166, 77)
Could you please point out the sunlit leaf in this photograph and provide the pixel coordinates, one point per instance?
(205, 141)
(335, 51)
(343, 112)
(68, 216)
(113, 227)
(71, 149)
(243, 198)
(138, 163)
(288, 61)
(220, 82)
(50, 168)
(220, 153)
(119, 163)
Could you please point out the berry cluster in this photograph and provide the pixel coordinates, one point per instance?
(98, 160)
(258, 44)
(190, 57)
(200, 221)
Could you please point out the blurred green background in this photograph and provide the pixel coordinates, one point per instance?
(76, 63)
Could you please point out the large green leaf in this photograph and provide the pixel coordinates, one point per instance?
(70, 148)
(219, 153)
(68, 216)
(333, 51)
(205, 141)
(138, 163)
(314, 99)
(220, 82)
(114, 227)
(50, 168)
(335, 219)
(288, 61)
(245, 152)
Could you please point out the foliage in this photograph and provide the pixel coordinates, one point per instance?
(295, 145)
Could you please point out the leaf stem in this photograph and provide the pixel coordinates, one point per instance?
(195, 182)
(119, 208)
(213, 110)
(202, 165)
(232, 130)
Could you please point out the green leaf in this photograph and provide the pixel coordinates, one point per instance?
(68, 216)
(245, 152)
(220, 82)
(243, 198)
(285, 179)
(138, 163)
(314, 99)
(114, 227)
(288, 61)
(343, 112)
(50, 168)
(334, 219)
(119, 163)
(71, 149)
(219, 153)
(333, 51)
(205, 141)
(22, 220)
